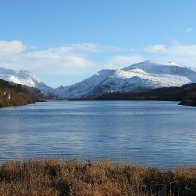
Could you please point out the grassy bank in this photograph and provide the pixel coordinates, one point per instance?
(52, 177)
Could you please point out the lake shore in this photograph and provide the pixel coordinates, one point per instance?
(53, 177)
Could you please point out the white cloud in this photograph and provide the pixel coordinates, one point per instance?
(80, 49)
(68, 60)
(78, 61)
(122, 61)
(62, 60)
(178, 49)
(185, 50)
(73, 59)
(11, 47)
(181, 53)
(155, 48)
(73, 48)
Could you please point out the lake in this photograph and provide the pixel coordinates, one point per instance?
(161, 134)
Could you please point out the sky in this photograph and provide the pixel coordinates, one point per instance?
(66, 41)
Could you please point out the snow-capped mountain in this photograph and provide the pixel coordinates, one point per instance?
(147, 74)
(25, 78)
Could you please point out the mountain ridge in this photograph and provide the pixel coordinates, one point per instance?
(147, 74)
(24, 77)
(143, 75)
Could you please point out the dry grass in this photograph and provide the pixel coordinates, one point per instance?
(52, 177)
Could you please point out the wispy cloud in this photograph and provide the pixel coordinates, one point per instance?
(11, 47)
(73, 60)
(119, 62)
(182, 53)
(155, 48)
(179, 49)
(62, 60)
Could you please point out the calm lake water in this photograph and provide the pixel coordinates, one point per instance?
(145, 132)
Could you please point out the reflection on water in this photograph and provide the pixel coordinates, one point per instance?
(146, 132)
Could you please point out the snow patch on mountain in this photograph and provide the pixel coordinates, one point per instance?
(25, 78)
(147, 74)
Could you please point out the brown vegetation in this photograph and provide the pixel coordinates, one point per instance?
(52, 177)
(15, 94)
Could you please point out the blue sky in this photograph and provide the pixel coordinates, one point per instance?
(65, 41)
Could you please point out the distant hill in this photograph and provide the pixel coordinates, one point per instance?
(185, 94)
(12, 94)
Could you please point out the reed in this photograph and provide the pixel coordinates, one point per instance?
(53, 177)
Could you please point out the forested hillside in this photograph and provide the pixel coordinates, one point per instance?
(15, 94)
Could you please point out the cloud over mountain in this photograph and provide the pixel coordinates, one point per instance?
(71, 63)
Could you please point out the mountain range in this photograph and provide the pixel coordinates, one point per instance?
(144, 75)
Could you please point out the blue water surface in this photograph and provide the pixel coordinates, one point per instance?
(153, 133)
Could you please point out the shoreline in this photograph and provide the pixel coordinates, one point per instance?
(24, 104)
